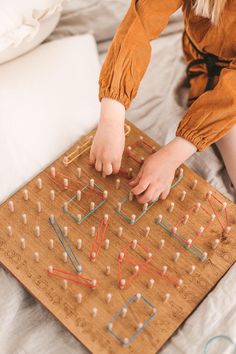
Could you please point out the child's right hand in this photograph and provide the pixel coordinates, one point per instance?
(109, 141)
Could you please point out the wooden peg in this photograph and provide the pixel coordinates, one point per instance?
(133, 218)
(65, 257)
(130, 172)
(65, 206)
(105, 194)
(122, 283)
(192, 269)
(121, 256)
(39, 183)
(79, 172)
(134, 244)
(194, 184)
(120, 231)
(91, 183)
(171, 207)
(108, 270)
(226, 231)
(174, 230)
(79, 218)
(215, 244)
(26, 194)
(161, 244)
(50, 269)
(79, 298)
(124, 312)
(166, 297)
(164, 270)
(117, 183)
(36, 256)
(64, 284)
(197, 207)
(110, 326)
(208, 195)
(50, 244)
(11, 206)
(159, 218)
(139, 326)
(138, 297)
(136, 269)
(131, 196)
(200, 231)
(93, 231)
(119, 207)
(176, 257)
(145, 206)
(224, 206)
(24, 218)
(79, 244)
(39, 206)
(65, 231)
(94, 284)
(52, 218)
(106, 244)
(105, 218)
(37, 231)
(93, 256)
(52, 194)
(186, 219)
(151, 283)
(149, 255)
(183, 196)
(78, 195)
(108, 298)
(65, 183)
(94, 312)
(22, 243)
(92, 206)
(204, 256)
(147, 231)
(212, 218)
(179, 283)
(53, 172)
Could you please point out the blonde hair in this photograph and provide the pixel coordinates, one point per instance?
(211, 9)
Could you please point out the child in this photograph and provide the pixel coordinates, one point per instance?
(209, 45)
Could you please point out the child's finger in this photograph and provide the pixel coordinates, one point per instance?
(98, 165)
(91, 158)
(136, 180)
(107, 168)
(116, 166)
(165, 194)
(141, 186)
(148, 195)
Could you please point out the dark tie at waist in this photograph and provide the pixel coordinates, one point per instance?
(214, 65)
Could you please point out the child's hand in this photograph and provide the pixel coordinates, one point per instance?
(108, 143)
(157, 172)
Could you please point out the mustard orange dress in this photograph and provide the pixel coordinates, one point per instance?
(210, 53)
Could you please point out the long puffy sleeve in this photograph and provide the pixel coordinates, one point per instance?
(130, 50)
(213, 114)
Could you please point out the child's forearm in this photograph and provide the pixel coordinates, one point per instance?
(178, 151)
(112, 110)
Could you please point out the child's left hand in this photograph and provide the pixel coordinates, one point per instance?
(158, 170)
(154, 178)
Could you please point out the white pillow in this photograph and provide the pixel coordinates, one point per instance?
(24, 24)
(48, 99)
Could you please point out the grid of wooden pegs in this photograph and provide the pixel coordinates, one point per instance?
(117, 284)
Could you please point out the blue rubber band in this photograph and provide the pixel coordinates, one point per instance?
(215, 338)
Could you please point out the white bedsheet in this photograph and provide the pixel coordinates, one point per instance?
(27, 328)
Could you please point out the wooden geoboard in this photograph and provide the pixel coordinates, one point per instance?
(144, 268)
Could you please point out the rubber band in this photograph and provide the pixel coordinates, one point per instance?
(65, 244)
(216, 338)
(74, 278)
(81, 149)
(143, 212)
(73, 216)
(99, 238)
(128, 341)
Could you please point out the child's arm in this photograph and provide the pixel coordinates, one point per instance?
(125, 64)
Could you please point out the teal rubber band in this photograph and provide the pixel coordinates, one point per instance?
(215, 338)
